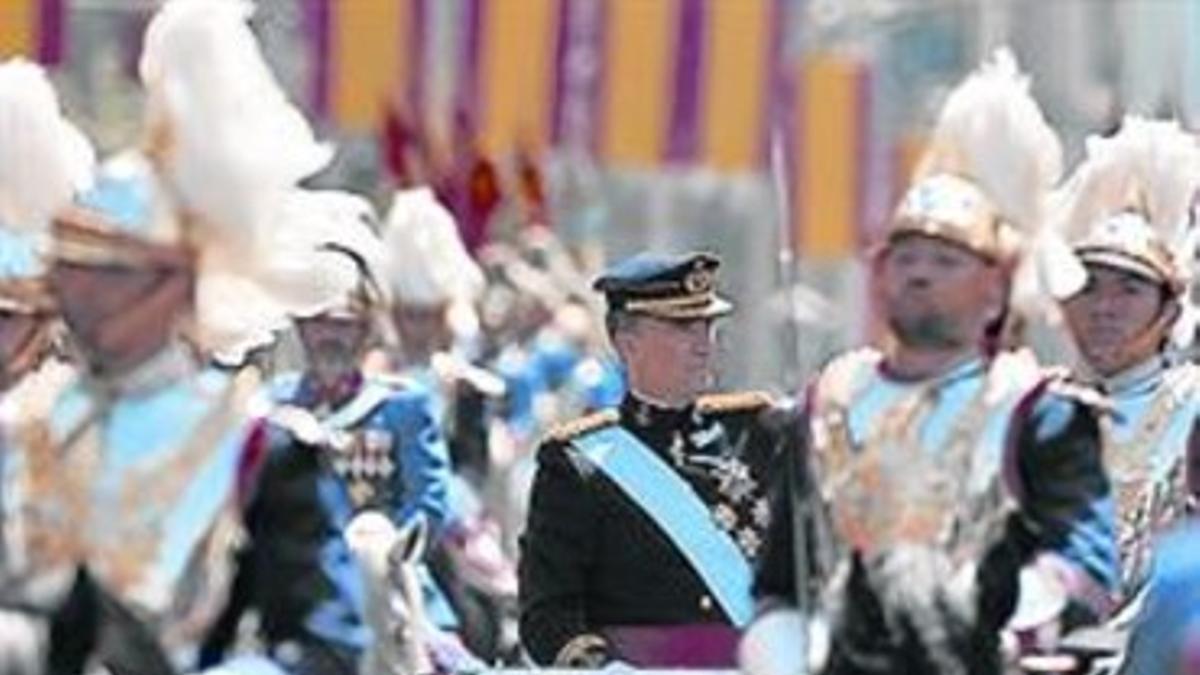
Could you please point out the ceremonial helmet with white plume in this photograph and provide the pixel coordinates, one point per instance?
(214, 187)
(433, 277)
(1128, 204)
(990, 163)
(338, 234)
(429, 263)
(45, 162)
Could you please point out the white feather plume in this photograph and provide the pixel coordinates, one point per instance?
(44, 159)
(316, 230)
(1151, 167)
(993, 132)
(429, 263)
(298, 269)
(232, 150)
(227, 136)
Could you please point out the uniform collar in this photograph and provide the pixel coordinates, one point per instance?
(1135, 379)
(172, 363)
(968, 366)
(314, 397)
(643, 412)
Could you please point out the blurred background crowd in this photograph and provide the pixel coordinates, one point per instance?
(774, 132)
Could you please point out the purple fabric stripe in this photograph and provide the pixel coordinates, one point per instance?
(575, 106)
(558, 92)
(468, 95)
(51, 31)
(318, 25)
(684, 132)
(780, 119)
(418, 47)
(863, 155)
(781, 85)
(706, 646)
(598, 35)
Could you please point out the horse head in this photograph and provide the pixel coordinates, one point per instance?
(387, 557)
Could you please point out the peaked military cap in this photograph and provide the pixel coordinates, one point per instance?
(677, 287)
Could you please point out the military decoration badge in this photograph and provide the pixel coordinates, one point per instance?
(698, 281)
(364, 463)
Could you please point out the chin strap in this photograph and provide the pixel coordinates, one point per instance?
(28, 355)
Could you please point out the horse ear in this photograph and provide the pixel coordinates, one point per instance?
(410, 543)
(370, 531)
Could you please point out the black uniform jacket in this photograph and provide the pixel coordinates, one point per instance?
(591, 559)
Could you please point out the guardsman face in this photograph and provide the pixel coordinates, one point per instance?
(1119, 319)
(120, 315)
(936, 294)
(334, 342)
(671, 360)
(422, 328)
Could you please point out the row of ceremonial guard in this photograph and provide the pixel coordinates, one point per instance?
(936, 505)
(940, 504)
(165, 475)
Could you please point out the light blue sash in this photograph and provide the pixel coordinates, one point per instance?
(365, 403)
(672, 504)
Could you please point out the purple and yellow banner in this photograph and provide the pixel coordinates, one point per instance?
(739, 36)
(687, 81)
(364, 53)
(638, 53)
(645, 82)
(33, 29)
(516, 72)
(832, 116)
(369, 54)
(639, 83)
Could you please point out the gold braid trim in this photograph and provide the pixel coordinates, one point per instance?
(60, 515)
(874, 506)
(54, 508)
(568, 431)
(677, 302)
(1145, 506)
(734, 401)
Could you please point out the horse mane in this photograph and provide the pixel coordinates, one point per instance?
(909, 610)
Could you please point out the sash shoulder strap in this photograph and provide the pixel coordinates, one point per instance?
(679, 513)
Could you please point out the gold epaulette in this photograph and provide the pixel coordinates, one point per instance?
(734, 401)
(1078, 391)
(567, 431)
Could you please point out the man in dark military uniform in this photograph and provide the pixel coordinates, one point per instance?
(336, 442)
(645, 521)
